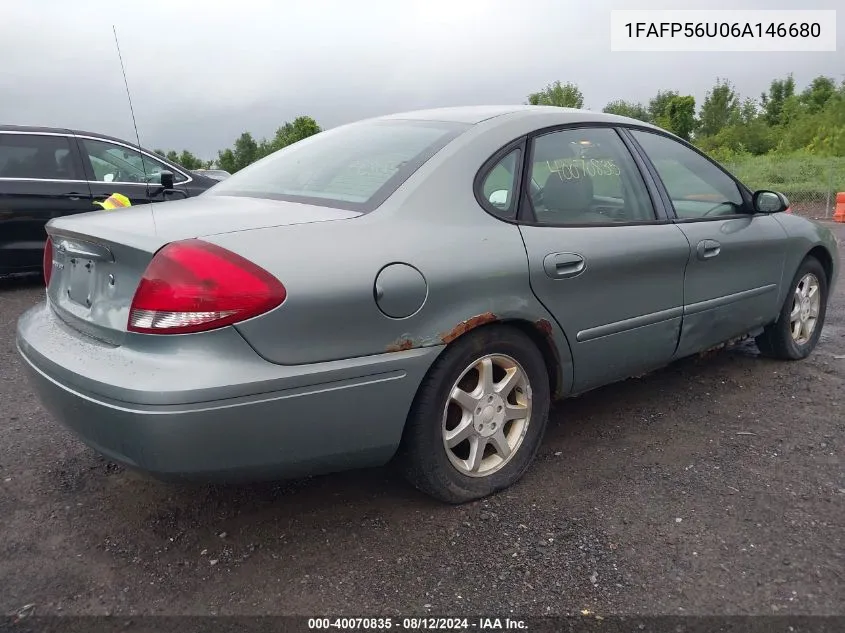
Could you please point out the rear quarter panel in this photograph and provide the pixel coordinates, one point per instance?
(475, 267)
(474, 277)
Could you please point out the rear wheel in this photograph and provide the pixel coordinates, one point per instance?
(478, 418)
(797, 330)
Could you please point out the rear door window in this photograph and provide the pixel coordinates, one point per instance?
(587, 176)
(37, 156)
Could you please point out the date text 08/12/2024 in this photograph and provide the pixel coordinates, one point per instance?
(417, 624)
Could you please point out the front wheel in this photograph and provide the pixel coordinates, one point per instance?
(796, 332)
(478, 418)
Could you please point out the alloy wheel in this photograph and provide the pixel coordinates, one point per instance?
(487, 415)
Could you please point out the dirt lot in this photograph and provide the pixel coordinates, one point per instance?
(713, 486)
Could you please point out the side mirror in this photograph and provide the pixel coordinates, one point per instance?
(769, 202)
(499, 198)
(167, 179)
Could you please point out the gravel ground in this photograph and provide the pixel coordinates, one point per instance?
(714, 486)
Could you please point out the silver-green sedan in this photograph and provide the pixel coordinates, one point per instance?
(416, 287)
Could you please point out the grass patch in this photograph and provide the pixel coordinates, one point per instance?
(801, 178)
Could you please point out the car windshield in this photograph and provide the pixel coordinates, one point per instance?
(354, 167)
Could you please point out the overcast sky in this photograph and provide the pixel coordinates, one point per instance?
(203, 72)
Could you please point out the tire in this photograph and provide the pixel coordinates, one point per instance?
(777, 339)
(423, 456)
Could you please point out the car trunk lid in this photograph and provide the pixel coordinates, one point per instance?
(210, 215)
(100, 257)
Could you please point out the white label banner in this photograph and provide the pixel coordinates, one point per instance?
(723, 31)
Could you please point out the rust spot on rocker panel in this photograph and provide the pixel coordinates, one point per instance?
(401, 345)
(465, 326)
(406, 341)
(712, 351)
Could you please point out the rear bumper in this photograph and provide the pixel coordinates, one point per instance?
(214, 409)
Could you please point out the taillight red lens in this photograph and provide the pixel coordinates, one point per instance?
(194, 286)
(47, 261)
(788, 210)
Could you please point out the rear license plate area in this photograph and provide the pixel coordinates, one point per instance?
(80, 284)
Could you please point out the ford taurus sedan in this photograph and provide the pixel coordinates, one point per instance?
(417, 288)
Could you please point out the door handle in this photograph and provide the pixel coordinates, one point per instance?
(708, 248)
(563, 265)
(75, 195)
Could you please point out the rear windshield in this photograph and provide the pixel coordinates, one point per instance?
(354, 167)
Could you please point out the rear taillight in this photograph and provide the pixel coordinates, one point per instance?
(47, 261)
(194, 286)
(788, 210)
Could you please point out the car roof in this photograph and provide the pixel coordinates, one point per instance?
(33, 128)
(61, 130)
(476, 114)
(458, 114)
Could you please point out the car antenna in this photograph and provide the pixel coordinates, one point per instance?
(132, 112)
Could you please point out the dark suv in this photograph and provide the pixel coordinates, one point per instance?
(47, 173)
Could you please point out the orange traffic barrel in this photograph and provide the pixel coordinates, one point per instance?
(839, 215)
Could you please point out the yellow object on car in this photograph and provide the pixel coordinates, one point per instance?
(114, 201)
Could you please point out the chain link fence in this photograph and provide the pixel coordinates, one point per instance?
(810, 182)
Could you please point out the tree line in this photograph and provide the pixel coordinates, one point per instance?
(782, 120)
(247, 149)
